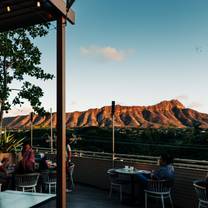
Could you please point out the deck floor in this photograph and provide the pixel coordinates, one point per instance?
(89, 197)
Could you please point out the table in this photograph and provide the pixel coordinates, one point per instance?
(131, 173)
(18, 199)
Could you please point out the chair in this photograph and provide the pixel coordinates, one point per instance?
(159, 189)
(51, 182)
(26, 182)
(201, 193)
(115, 182)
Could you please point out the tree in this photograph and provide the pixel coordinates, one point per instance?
(19, 60)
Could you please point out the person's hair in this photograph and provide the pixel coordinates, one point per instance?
(26, 143)
(167, 158)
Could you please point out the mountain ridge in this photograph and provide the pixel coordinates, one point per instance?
(165, 114)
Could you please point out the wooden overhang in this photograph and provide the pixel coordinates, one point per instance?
(23, 13)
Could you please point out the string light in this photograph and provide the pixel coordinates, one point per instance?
(8, 8)
(38, 4)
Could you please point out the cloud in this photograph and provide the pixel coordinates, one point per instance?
(106, 53)
(195, 105)
(182, 97)
(16, 111)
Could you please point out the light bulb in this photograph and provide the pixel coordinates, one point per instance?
(38, 4)
(8, 8)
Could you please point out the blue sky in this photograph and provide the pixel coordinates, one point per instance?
(136, 52)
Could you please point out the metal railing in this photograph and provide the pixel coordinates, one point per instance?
(179, 163)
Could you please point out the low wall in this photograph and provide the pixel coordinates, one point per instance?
(93, 172)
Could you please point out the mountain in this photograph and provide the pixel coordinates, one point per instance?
(164, 114)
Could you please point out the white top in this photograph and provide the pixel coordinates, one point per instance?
(18, 199)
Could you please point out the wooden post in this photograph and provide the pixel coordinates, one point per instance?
(61, 117)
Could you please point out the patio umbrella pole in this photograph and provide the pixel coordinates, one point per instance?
(113, 143)
(61, 117)
(51, 139)
(113, 133)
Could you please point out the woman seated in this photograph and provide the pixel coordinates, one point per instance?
(27, 164)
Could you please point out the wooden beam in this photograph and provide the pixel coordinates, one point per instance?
(61, 6)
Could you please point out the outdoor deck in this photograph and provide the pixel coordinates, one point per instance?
(86, 196)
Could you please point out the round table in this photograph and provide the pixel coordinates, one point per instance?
(131, 173)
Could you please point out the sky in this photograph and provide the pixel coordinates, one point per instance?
(136, 52)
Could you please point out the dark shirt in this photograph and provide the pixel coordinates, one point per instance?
(43, 166)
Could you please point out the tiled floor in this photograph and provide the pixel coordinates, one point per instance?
(88, 197)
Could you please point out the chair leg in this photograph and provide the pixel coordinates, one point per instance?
(120, 192)
(163, 204)
(110, 192)
(171, 201)
(199, 204)
(145, 200)
(23, 189)
(34, 189)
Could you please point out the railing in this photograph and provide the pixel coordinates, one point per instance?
(179, 163)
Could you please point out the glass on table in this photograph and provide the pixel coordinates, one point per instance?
(126, 167)
(131, 168)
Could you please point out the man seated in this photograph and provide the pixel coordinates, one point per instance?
(165, 171)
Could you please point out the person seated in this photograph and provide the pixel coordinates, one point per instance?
(165, 171)
(27, 164)
(43, 169)
(43, 164)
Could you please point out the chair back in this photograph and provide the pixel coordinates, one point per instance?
(52, 176)
(201, 191)
(158, 185)
(30, 179)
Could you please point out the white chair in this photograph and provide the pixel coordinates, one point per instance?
(201, 193)
(159, 189)
(115, 183)
(26, 182)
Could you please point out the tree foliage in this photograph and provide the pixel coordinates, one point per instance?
(19, 60)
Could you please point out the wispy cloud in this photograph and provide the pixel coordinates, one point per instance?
(15, 111)
(182, 97)
(107, 53)
(195, 105)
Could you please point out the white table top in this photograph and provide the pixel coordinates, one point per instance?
(18, 199)
(131, 172)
